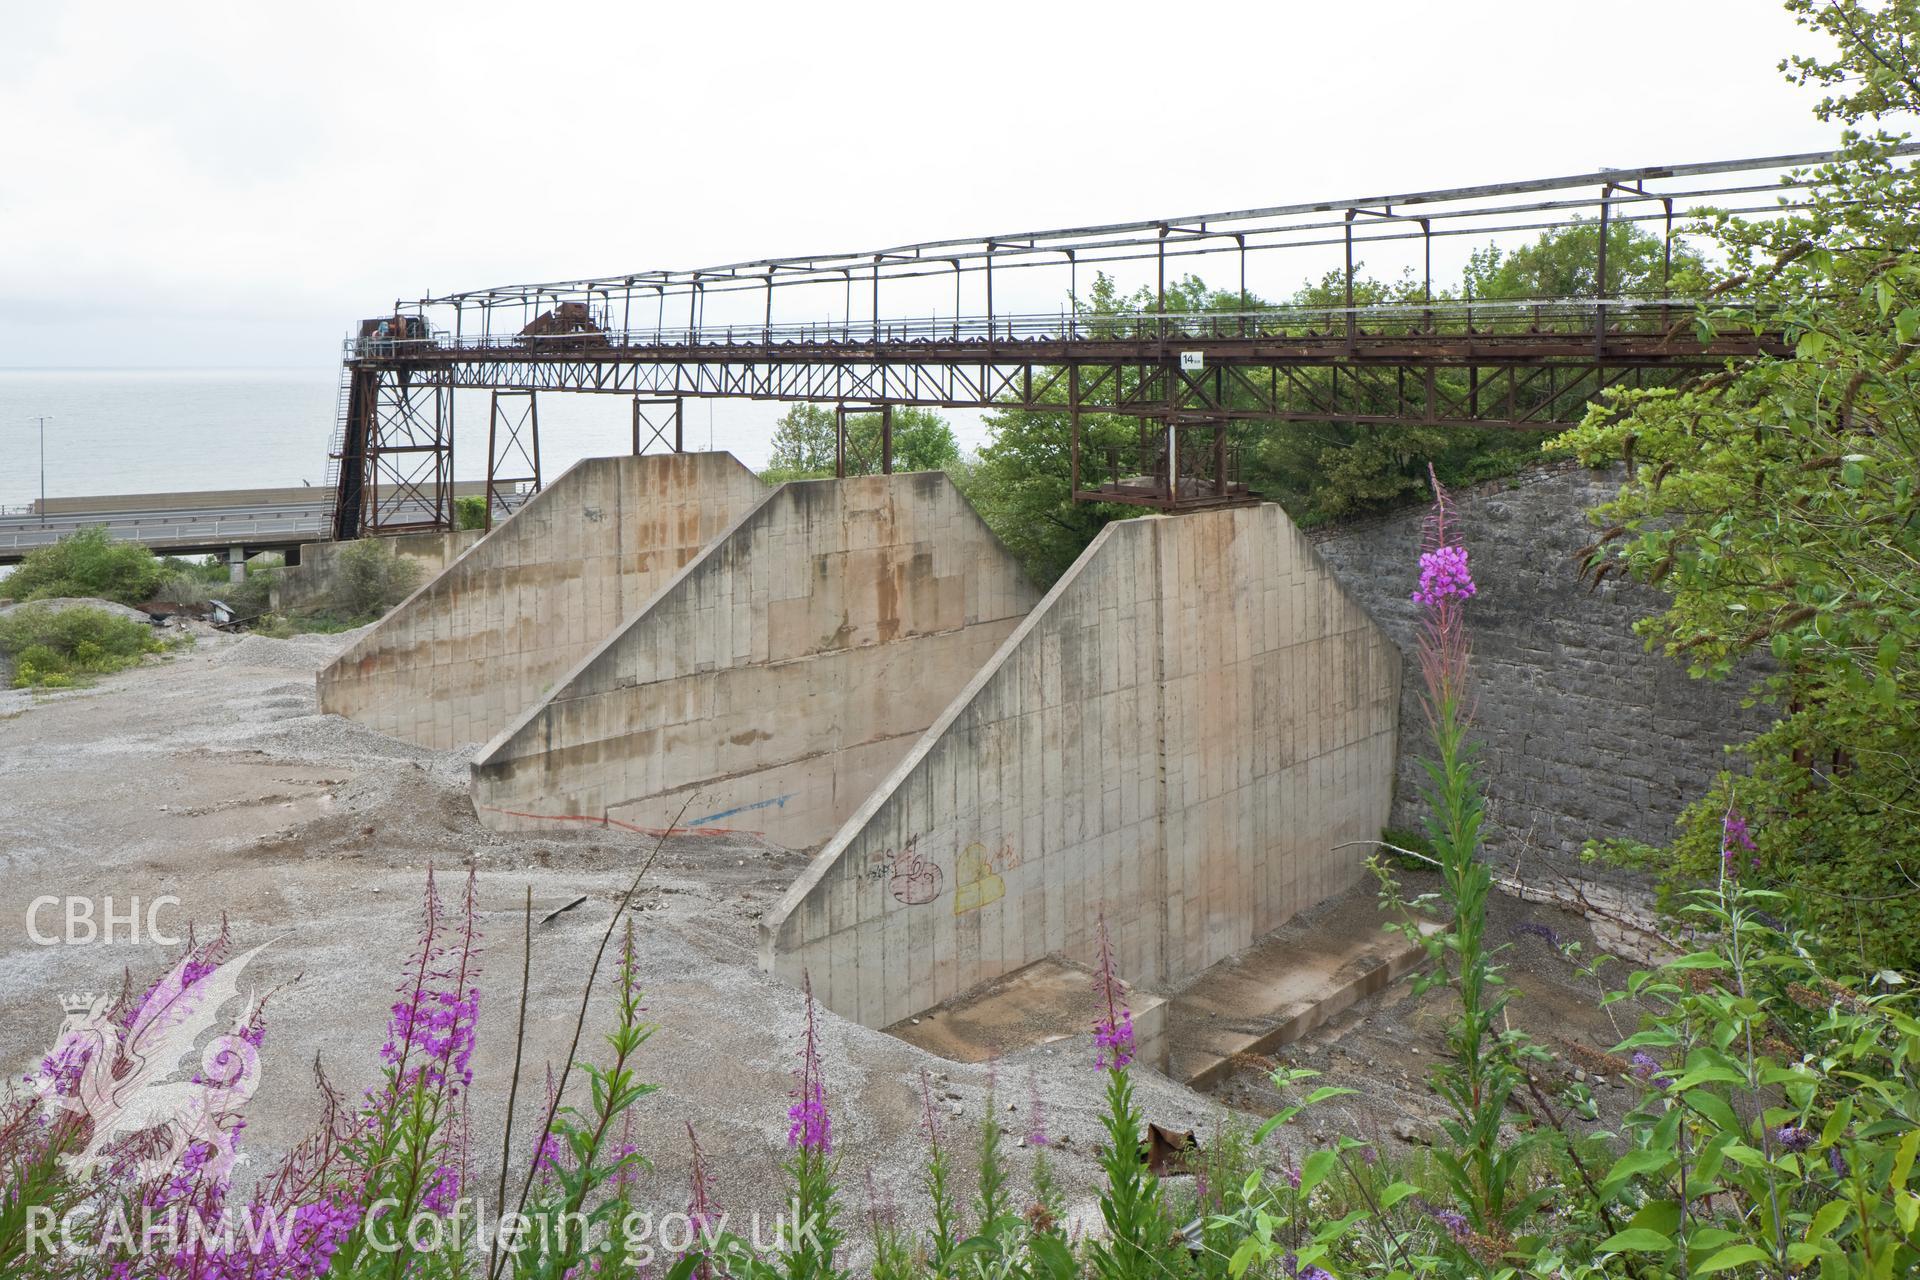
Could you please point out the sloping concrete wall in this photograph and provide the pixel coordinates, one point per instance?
(473, 648)
(1180, 735)
(779, 677)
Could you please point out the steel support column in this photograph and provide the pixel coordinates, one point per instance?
(513, 432)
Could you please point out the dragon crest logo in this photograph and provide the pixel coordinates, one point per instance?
(118, 1070)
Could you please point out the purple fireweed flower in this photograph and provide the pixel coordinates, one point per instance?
(1647, 1068)
(1456, 1224)
(280, 1244)
(1291, 1263)
(1793, 1137)
(1293, 1176)
(1735, 839)
(1113, 1042)
(1444, 576)
(810, 1129)
(1444, 585)
(1837, 1161)
(1113, 1033)
(1734, 826)
(430, 1036)
(443, 1191)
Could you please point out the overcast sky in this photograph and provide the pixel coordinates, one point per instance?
(192, 184)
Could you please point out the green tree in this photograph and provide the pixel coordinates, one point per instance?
(1563, 263)
(1021, 484)
(1776, 505)
(87, 562)
(803, 442)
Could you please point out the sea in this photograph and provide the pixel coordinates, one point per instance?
(113, 431)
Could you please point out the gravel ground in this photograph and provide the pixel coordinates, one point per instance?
(209, 776)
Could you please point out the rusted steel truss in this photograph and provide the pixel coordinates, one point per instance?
(513, 444)
(661, 336)
(407, 453)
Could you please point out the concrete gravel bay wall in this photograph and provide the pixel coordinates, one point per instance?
(1182, 735)
(470, 650)
(778, 678)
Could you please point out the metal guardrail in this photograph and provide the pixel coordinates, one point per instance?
(17, 535)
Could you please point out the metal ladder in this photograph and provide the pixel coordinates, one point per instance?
(337, 445)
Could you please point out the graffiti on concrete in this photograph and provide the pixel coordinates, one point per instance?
(913, 879)
(976, 883)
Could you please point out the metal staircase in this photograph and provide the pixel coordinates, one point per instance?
(336, 446)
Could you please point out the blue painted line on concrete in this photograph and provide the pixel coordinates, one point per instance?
(781, 801)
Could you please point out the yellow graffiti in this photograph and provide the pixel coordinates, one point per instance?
(975, 881)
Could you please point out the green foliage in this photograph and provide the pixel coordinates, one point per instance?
(1564, 263)
(1138, 1225)
(185, 589)
(368, 580)
(1420, 852)
(87, 562)
(591, 1160)
(54, 648)
(1022, 481)
(1776, 1132)
(470, 513)
(1322, 471)
(1776, 504)
(1022, 486)
(252, 595)
(804, 438)
(210, 570)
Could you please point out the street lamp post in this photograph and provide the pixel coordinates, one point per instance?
(42, 418)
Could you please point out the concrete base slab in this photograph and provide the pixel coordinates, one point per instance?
(1048, 1000)
(1291, 982)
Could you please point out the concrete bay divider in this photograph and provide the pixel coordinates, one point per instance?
(1181, 735)
(778, 677)
(470, 650)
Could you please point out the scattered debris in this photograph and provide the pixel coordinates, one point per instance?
(1166, 1151)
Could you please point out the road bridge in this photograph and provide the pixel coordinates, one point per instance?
(1153, 401)
(204, 522)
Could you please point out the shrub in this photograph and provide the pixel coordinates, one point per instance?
(184, 589)
(250, 597)
(87, 563)
(470, 513)
(51, 647)
(208, 569)
(370, 579)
